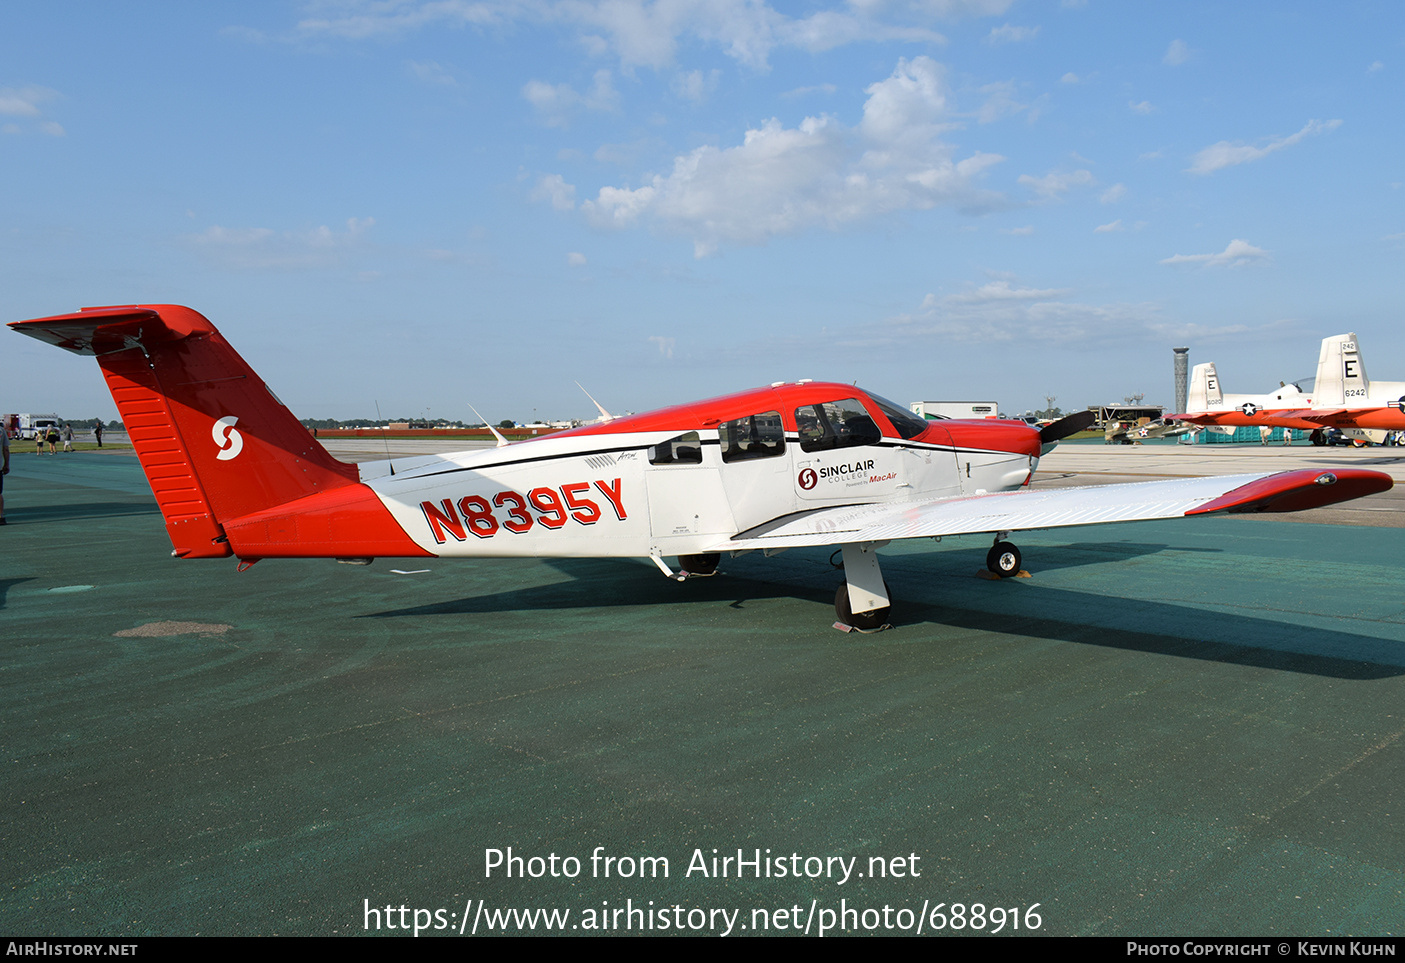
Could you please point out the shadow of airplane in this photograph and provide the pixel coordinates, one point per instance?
(5, 584)
(945, 593)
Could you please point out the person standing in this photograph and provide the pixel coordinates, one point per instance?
(67, 436)
(97, 431)
(4, 469)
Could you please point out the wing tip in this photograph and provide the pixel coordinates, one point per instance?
(1295, 491)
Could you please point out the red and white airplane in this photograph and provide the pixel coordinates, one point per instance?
(1342, 397)
(789, 465)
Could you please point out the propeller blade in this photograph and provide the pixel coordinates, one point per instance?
(1066, 426)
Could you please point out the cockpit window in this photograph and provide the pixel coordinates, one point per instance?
(755, 436)
(907, 423)
(683, 450)
(836, 424)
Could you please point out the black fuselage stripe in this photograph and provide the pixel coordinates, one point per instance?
(885, 443)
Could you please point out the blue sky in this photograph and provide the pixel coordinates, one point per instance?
(430, 204)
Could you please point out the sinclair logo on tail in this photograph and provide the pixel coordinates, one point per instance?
(227, 438)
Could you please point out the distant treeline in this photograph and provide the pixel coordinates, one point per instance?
(373, 422)
(86, 424)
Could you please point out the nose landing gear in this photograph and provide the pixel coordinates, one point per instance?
(1003, 558)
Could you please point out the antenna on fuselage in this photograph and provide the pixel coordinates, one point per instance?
(385, 439)
(603, 413)
(501, 440)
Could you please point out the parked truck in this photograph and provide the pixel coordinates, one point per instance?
(26, 426)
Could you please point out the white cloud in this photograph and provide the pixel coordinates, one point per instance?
(1001, 312)
(553, 187)
(821, 174)
(326, 237)
(1000, 102)
(1053, 184)
(24, 101)
(665, 345)
(1141, 107)
(648, 32)
(1376, 66)
(1176, 54)
(1109, 228)
(1021, 231)
(232, 236)
(430, 72)
(575, 259)
(944, 9)
(695, 85)
(1004, 312)
(1224, 154)
(805, 91)
(264, 248)
(556, 102)
(1070, 78)
(1236, 254)
(1114, 193)
(1008, 33)
(1001, 290)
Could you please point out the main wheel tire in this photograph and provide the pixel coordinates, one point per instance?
(700, 564)
(1003, 559)
(859, 620)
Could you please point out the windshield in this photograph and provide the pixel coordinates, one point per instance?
(907, 424)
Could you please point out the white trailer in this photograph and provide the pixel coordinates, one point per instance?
(955, 409)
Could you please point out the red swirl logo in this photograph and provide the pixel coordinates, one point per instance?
(808, 479)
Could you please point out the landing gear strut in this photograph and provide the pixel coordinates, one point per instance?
(863, 590)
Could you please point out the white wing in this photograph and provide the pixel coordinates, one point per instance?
(1058, 508)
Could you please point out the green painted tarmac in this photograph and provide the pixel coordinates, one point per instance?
(1171, 729)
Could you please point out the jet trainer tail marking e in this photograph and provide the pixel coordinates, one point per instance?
(792, 464)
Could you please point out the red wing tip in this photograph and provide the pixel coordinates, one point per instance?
(1295, 491)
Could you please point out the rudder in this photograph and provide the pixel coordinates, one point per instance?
(1204, 389)
(1341, 373)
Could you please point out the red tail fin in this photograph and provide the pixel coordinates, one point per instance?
(215, 442)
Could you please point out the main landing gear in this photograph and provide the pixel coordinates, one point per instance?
(862, 602)
(696, 565)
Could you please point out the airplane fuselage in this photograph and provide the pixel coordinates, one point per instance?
(681, 481)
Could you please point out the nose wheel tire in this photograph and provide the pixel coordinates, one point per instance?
(1004, 560)
(875, 619)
